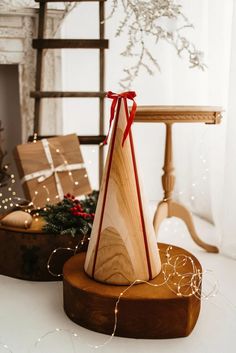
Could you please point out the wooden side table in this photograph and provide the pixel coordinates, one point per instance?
(170, 115)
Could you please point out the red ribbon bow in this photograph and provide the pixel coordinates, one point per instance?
(115, 96)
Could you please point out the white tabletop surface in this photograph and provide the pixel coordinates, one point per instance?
(29, 310)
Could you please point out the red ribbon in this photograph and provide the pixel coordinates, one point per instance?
(130, 117)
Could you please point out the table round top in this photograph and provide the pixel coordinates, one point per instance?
(178, 113)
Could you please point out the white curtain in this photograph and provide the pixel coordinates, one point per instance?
(228, 209)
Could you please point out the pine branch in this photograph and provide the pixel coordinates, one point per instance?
(71, 216)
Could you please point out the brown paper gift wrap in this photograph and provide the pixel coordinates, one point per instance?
(61, 161)
(122, 247)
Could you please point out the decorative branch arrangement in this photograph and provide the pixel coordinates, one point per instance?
(143, 21)
(71, 216)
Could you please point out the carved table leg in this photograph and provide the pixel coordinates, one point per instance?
(168, 208)
(160, 214)
(178, 210)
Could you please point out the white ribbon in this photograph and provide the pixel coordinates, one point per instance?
(44, 174)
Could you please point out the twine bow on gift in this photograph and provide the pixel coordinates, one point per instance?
(44, 174)
(130, 117)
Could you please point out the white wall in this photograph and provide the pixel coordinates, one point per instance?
(176, 84)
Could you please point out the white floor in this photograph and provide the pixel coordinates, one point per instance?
(30, 310)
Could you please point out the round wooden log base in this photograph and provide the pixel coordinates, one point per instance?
(144, 311)
(24, 253)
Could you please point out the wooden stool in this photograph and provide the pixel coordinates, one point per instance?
(170, 115)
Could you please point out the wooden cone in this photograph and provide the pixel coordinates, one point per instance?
(122, 247)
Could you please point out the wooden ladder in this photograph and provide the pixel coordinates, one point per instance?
(42, 43)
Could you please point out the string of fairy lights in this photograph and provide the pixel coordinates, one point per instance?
(181, 283)
(196, 191)
(12, 200)
(12, 193)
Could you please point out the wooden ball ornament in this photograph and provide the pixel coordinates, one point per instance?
(17, 219)
(122, 247)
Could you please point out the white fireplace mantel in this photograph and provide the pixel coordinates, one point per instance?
(17, 28)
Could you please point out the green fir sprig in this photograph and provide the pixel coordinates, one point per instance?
(71, 216)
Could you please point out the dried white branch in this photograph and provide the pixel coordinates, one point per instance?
(141, 21)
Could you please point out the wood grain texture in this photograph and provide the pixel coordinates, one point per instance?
(83, 139)
(168, 178)
(66, 94)
(179, 114)
(18, 219)
(122, 246)
(24, 253)
(39, 66)
(70, 43)
(143, 312)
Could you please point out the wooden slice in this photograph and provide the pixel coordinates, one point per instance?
(143, 311)
(24, 253)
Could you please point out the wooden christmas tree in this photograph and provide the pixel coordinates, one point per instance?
(122, 247)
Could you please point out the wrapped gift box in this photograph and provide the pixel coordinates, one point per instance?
(50, 168)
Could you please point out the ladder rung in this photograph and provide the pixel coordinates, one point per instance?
(69, 94)
(69, 0)
(70, 43)
(84, 140)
